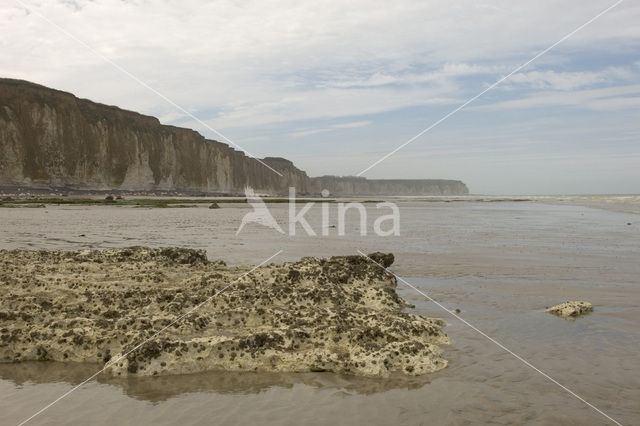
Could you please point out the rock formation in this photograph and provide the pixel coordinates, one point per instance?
(340, 314)
(50, 138)
(571, 310)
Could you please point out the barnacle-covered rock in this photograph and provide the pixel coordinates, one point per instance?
(571, 310)
(166, 311)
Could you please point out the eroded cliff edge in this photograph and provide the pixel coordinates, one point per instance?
(340, 314)
(50, 138)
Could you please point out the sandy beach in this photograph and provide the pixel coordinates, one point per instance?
(500, 263)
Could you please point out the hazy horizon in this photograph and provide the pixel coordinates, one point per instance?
(333, 87)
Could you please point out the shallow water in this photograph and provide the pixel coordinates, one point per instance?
(501, 263)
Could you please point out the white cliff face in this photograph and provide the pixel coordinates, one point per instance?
(139, 175)
(51, 138)
(10, 158)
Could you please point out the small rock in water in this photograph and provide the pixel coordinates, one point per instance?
(214, 206)
(571, 310)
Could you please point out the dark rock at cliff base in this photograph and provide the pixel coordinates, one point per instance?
(214, 206)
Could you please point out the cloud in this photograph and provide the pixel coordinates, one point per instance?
(312, 131)
(550, 79)
(328, 104)
(276, 59)
(608, 98)
(447, 71)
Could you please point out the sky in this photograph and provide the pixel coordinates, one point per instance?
(336, 85)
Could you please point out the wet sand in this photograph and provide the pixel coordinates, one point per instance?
(501, 263)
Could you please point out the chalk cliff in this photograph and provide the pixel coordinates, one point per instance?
(50, 138)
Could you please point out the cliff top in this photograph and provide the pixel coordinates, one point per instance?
(67, 96)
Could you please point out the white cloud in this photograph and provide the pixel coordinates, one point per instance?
(559, 81)
(608, 98)
(447, 71)
(334, 103)
(549, 79)
(312, 131)
(271, 61)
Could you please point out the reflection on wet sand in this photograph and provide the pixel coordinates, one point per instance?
(161, 388)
